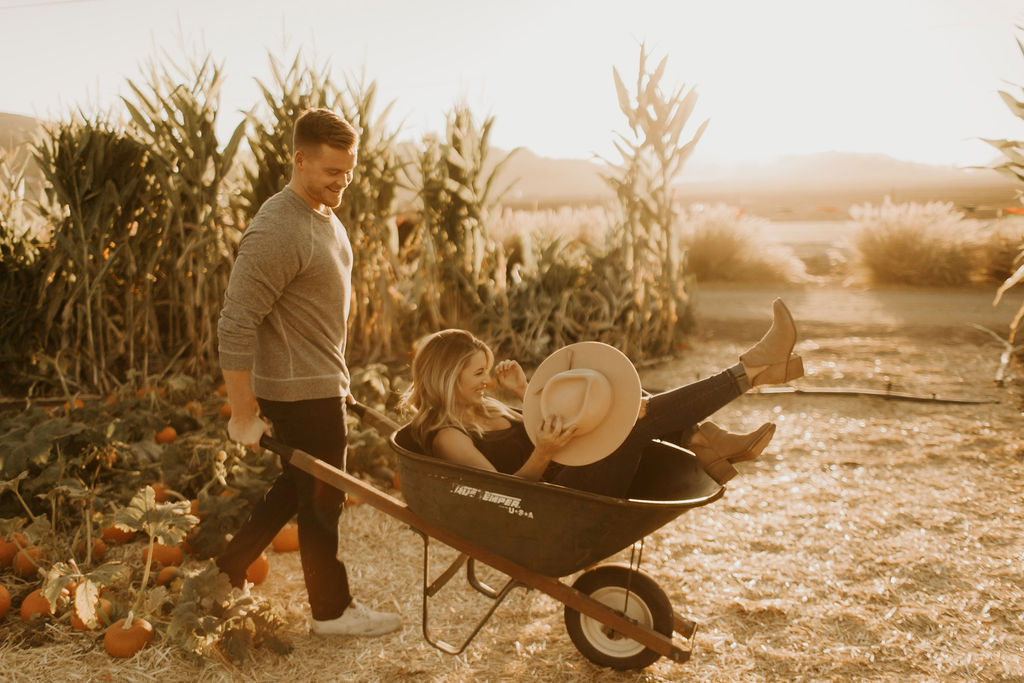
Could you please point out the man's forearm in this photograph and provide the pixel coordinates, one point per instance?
(243, 401)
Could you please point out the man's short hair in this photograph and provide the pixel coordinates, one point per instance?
(323, 126)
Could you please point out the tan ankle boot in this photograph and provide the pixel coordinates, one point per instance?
(717, 467)
(774, 351)
(780, 373)
(737, 447)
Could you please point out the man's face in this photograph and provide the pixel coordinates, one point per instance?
(322, 173)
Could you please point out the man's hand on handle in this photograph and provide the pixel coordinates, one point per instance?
(245, 426)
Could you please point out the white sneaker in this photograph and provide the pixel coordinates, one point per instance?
(358, 620)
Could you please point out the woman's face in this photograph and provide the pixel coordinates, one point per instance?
(474, 379)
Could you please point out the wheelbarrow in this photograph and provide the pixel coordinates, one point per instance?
(536, 532)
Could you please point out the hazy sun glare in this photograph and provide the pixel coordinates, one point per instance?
(915, 79)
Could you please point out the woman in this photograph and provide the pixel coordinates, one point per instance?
(455, 419)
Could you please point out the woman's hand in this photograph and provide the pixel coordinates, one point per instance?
(510, 376)
(554, 433)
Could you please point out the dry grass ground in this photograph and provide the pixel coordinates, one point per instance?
(875, 540)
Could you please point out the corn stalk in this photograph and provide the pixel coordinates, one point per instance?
(21, 268)
(653, 154)
(368, 213)
(102, 201)
(463, 268)
(1013, 167)
(174, 114)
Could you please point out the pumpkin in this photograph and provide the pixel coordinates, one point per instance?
(161, 491)
(77, 403)
(287, 539)
(99, 549)
(104, 612)
(5, 600)
(25, 563)
(166, 575)
(194, 407)
(116, 535)
(33, 604)
(8, 549)
(258, 570)
(125, 642)
(167, 435)
(165, 554)
(225, 410)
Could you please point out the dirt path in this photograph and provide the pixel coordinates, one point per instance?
(906, 309)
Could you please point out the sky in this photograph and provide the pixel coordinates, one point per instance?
(914, 79)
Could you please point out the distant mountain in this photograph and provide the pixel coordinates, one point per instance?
(790, 187)
(793, 186)
(16, 129)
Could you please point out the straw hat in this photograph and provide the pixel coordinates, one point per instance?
(592, 385)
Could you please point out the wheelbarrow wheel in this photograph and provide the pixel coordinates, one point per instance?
(631, 593)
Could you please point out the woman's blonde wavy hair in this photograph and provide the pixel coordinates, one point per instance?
(439, 359)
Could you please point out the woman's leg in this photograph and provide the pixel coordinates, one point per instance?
(667, 413)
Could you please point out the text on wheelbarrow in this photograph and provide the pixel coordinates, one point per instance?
(511, 504)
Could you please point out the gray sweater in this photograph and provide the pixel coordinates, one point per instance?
(287, 302)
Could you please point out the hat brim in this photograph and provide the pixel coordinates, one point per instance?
(615, 427)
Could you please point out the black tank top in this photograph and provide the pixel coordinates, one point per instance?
(506, 449)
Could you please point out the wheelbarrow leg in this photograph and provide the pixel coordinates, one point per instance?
(432, 588)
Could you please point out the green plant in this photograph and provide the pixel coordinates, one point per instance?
(723, 244)
(175, 115)
(101, 197)
(167, 523)
(914, 244)
(22, 258)
(647, 235)
(457, 261)
(1013, 167)
(213, 617)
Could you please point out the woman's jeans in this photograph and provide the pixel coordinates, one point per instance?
(317, 427)
(672, 416)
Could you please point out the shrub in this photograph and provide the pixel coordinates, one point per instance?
(722, 244)
(1000, 250)
(914, 244)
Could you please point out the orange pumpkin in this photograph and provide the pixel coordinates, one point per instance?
(125, 642)
(33, 604)
(8, 549)
(225, 410)
(25, 563)
(116, 535)
(165, 555)
(258, 570)
(166, 575)
(99, 549)
(194, 407)
(5, 600)
(287, 539)
(161, 491)
(167, 435)
(104, 611)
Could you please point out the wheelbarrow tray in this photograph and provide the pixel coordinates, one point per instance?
(546, 528)
(584, 604)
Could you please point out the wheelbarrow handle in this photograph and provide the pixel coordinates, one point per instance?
(279, 447)
(384, 425)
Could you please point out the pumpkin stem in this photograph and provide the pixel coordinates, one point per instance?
(128, 619)
(145, 574)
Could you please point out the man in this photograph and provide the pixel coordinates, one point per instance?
(282, 335)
